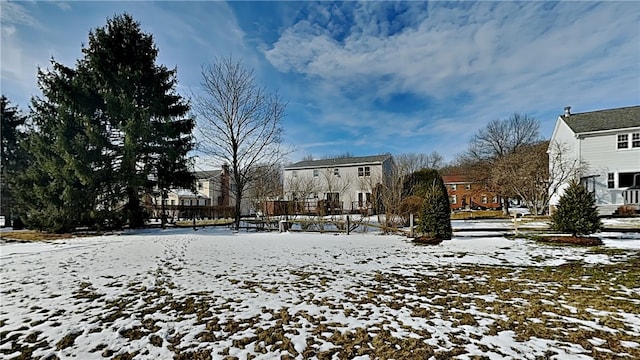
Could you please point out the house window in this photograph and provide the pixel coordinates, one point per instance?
(364, 199)
(484, 199)
(315, 172)
(333, 198)
(623, 141)
(626, 179)
(610, 181)
(635, 140)
(173, 202)
(494, 199)
(199, 185)
(454, 186)
(467, 187)
(336, 172)
(294, 173)
(364, 171)
(453, 199)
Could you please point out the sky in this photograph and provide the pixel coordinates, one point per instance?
(366, 78)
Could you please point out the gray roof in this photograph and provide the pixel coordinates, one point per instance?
(376, 159)
(611, 119)
(210, 174)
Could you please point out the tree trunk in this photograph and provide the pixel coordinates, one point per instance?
(505, 205)
(136, 218)
(163, 216)
(237, 208)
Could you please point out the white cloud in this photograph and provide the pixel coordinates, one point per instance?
(18, 66)
(15, 13)
(503, 57)
(489, 51)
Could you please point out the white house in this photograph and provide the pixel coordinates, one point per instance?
(340, 184)
(607, 143)
(211, 197)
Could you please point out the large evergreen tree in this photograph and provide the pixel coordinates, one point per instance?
(576, 212)
(114, 123)
(13, 156)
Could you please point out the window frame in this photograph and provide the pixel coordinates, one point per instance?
(622, 141)
(364, 171)
(635, 140)
(611, 182)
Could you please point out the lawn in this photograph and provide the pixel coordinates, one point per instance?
(216, 294)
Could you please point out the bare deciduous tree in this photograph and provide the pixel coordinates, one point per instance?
(301, 190)
(239, 123)
(266, 185)
(494, 143)
(525, 173)
(412, 162)
(562, 167)
(333, 183)
(390, 192)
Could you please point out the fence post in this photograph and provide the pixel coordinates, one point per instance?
(410, 225)
(348, 225)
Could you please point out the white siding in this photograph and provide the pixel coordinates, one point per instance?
(601, 155)
(563, 138)
(348, 184)
(599, 152)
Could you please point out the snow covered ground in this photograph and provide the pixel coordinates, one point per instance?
(217, 294)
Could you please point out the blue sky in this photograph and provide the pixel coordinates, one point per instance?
(367, 77)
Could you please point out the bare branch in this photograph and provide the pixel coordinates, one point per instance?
(239, 123)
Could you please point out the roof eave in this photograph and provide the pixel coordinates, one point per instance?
(608, 131)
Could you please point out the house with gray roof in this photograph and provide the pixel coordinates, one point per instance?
(338, 185)
(210, 196)
(607, 144)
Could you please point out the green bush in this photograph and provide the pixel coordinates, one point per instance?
(576, 212)
(435, 215)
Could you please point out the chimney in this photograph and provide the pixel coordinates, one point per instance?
(567, 111)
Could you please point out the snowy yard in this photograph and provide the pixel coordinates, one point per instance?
(213, 294)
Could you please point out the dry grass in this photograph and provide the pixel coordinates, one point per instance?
(479, 214)
(212, 222)
(33, 235)
(446, 309)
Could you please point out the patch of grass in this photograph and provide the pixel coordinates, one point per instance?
(67, 340)
(479, 214)
(32, 235)
(212, 222)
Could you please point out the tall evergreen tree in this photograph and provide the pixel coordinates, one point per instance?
(58, 189)
(114, 122)
(435, 218)
(147, 119)
(435, 215)
(576, 212)
(13, 156)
